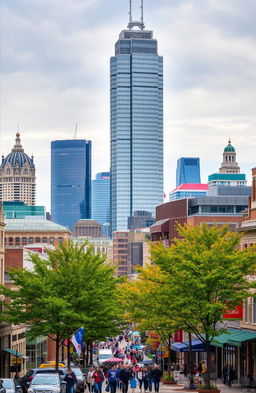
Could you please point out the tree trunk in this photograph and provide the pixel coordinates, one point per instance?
(57, 348)
(190, 357)
(208, 365)
(68, 350)
(169, 356)
(91, 354)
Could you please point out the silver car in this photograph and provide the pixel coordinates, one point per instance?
(10, 385)
(46, 383)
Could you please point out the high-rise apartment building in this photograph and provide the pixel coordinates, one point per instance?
(136, 124)
(188, 171)
(101, 198)
(17, 176)
(70, 181)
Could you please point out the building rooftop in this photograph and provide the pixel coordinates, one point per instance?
(192, 187)
(33, 225)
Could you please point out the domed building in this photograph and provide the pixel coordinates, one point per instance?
(229, 172)
(17, 176)
(229, 164)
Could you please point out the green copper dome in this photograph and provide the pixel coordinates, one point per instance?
(229, 148)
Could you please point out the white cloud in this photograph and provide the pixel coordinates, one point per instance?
(55, 73)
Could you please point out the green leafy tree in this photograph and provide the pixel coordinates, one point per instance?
(72, 288)
(144, 303)
(207, 274)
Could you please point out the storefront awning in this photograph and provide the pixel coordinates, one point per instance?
(234, 337)
(13, 352)
(197, 346)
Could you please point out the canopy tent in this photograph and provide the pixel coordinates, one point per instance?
(135, 333)
(233, 337)
(197, 346)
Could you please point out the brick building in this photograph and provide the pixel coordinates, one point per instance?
(130, 249)
(20, 232)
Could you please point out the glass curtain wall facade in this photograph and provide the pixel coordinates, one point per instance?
(136, 126)
(70, 181)
(101, 198)
(188, 171)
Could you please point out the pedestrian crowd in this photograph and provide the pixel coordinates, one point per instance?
(122, 376)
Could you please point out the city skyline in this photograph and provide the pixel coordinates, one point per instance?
(209, 78)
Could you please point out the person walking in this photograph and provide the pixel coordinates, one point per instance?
(140, 378)
(112, 379)
(90, 380)
(98, 379)
(145, 378)
(71, 380)
(156, 376)
(125, 376)
(133, 382)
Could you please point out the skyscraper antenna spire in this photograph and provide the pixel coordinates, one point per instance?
(130, 12)
(142, 12)
(139, 23)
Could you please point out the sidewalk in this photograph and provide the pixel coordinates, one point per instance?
(182, 386)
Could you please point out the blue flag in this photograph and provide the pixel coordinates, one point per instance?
(77, 340)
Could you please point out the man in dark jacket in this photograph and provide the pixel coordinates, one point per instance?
(156, 375)
(71, 380)
(125, 376)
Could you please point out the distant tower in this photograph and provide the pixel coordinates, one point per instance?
(17, 176)
(70, 181)
(229, 172)
(229, 164)
(188, 171)
(136, 123)
(101, 198)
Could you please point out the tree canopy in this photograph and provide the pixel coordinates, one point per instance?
(69, 289)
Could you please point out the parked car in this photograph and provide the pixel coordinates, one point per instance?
(44, 382)
(10, 385)
(28, 377)
(80, 379)
(104, 355)
(2, 389)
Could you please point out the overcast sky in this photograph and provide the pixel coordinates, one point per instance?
(55, 73)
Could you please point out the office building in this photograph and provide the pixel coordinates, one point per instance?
(136, 124)
(140, 219)
(101, 198)
(70, 181)
(188, 191)
(17, 176)
(188, 171)
(229, 172)
(21, 210)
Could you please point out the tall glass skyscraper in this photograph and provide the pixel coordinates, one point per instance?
(70, 181)
(188, 170)
(136, 124)
(101, 198)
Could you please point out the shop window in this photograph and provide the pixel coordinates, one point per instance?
(44, 239)
(37, 239)
(31, 240)
(17, 241)
(24, 241)
(10, 241)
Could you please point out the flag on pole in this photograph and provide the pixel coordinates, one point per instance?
(77, 340)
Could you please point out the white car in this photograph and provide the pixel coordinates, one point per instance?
(104, 355)
(46, 383)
